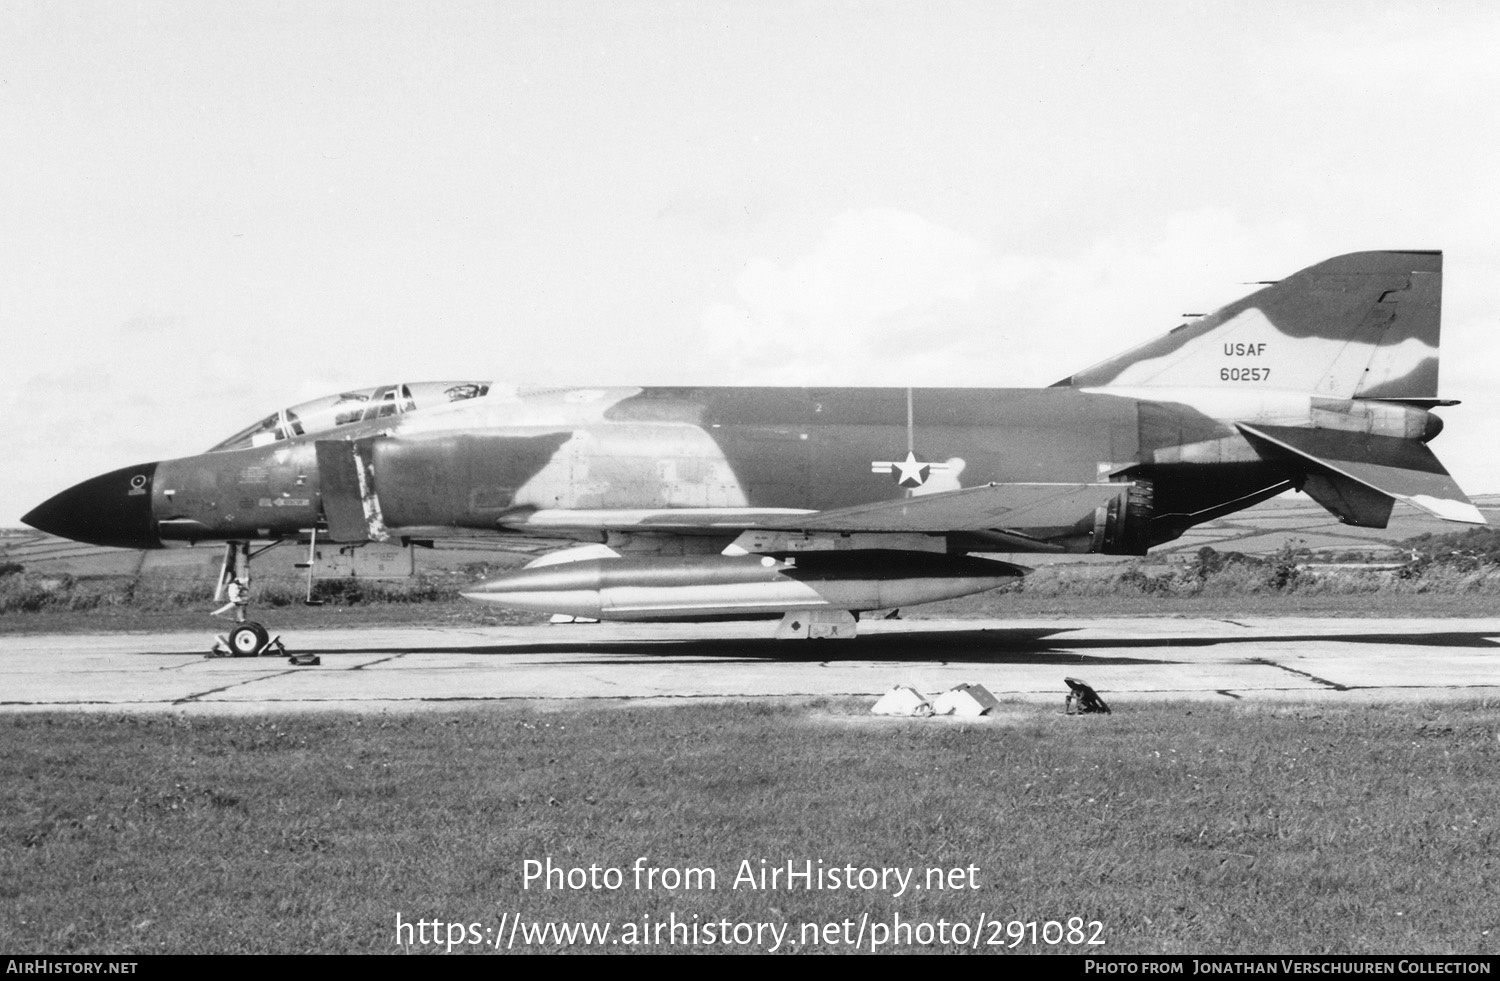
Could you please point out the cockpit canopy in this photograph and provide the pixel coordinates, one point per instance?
(347, 408)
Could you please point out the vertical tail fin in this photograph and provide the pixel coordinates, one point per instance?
(1363, 325)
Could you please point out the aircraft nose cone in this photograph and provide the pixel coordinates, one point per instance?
(110, 509)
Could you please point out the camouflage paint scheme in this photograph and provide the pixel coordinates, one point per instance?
(1321, 382)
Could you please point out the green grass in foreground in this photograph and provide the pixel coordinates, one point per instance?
(1180, 829)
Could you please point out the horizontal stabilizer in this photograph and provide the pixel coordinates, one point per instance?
(1343, 469)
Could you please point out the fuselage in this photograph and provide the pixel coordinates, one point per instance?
(488, 464)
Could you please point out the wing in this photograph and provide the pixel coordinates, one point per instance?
(1030, 510)
(1027, 511)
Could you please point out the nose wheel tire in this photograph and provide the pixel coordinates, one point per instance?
(247, 639)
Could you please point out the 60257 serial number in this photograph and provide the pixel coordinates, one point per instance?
(1244, 374)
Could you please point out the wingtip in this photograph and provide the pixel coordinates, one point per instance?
(1448, 510)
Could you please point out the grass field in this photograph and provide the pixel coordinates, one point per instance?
(1001, 607)
(1176, 829)
(1212, 586)
(998, 606)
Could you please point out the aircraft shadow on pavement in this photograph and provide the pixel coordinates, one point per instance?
(1021, 645)
(936, 645)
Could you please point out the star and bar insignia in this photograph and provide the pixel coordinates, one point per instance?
(910, 472)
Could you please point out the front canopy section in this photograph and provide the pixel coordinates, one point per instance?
(347, 408)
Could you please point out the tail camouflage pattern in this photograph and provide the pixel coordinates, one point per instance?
(1363, 325)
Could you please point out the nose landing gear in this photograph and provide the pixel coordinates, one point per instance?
(248, 638)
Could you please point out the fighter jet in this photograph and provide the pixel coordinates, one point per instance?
(819, 504)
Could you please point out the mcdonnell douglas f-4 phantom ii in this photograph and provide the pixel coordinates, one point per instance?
(818, 504)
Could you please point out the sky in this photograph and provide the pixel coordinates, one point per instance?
(210, 210)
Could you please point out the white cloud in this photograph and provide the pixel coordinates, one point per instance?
(877, 293)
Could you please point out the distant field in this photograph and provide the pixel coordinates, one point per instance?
(51, 555)
(997, 606)
(1263, 529)
(31, 604)
(124, 618)
(1157, 829)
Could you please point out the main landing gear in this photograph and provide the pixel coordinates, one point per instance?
(247, 638)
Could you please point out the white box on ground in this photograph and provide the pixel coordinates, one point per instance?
(967, 700)
(901, 700)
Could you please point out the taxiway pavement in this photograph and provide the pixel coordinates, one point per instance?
(1125, 659)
